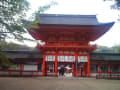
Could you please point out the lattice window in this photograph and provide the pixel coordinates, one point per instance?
(94, 68)
(115, 68)
(66, 58)
(15, 67)
(50, 58)
(104, 68)
(82, 59)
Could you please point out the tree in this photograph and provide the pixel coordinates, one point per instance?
(12, 17)
(35, 17)
(117, 4)
(116, 48)
(11, 14)
(104, 49)
(13, 46)
(4, 60)
(13, 23)
(4, 57)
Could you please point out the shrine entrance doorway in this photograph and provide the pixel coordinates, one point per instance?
(66, 65)
(68, 69)
(82, 69)
(50, 68)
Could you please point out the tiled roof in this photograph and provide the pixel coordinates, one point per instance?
(64, 19)
(37, 54)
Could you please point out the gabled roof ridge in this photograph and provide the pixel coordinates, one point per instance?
(68, 15)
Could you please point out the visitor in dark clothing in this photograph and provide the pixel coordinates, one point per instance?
(62, 70)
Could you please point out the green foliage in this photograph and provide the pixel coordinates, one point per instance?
(35, 17)
(33, 24)
(13, 46)
(11, 14)
(12, 17)
(3, 59)
(105, 49)
(13, 24)
(116, 48)
(116, 5)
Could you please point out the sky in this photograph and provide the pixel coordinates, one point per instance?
(84, 7)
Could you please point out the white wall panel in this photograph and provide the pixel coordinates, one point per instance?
(30, 67)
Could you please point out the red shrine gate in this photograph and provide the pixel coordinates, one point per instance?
(79, 64)
(65, 52)
(67, 40)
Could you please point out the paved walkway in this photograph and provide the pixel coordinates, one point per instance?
(60, 83)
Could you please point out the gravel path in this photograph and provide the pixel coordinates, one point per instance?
(53, 83)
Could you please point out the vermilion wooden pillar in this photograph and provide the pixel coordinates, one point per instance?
(88, 66)
(109, 70)
(9, 72)
(43, 71)
(73, 67)
(21, 69)
(99, 70)
(56, 65)
(76, 60)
